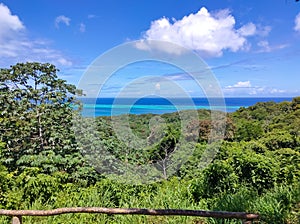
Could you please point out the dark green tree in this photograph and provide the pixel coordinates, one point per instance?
(36, 119)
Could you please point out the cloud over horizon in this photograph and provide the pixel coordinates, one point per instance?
(245, 88)
(209, 34)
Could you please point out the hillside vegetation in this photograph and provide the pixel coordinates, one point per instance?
(42, 165)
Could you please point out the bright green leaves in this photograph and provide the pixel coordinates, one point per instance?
(219, 177)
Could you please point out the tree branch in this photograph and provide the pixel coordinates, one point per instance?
(131, 211)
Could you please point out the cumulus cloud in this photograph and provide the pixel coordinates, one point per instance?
(11, 29)
(9, 24)
(207, 33)
(297, 23)
(15, 46)
(62, 19)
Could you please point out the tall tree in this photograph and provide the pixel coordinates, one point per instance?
(36, 109)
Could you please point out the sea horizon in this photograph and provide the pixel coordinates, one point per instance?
(109, 106)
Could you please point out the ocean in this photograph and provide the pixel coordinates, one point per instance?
(93, 107)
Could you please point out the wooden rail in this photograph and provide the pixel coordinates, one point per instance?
(16, 215)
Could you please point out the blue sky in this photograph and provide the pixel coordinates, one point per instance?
(252, 47)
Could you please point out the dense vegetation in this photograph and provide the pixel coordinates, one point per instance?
(257, 168)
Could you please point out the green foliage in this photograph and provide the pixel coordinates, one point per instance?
(256, 146)
(37, 186)
(289, 160)
(42, 166)
(242, 200)
(296, 103)
(219, 177)
(278, 139)
(256, 170)
(276, 205)
(166, 144)
(36, 112)
(248, 130)
(5, 184)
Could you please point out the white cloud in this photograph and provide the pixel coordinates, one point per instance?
(241, 84)
(265, 46)
(297, 23)
(267, 91)
(207, 33)
(263, 30)
(247, 30)
(15, 46)
(9, 24)
(62, 19)
(240, 88)
(245, 88)
(82, 27)
(277, 91)
(168, 47)
(63, 61)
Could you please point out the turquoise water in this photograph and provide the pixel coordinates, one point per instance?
(111, 107)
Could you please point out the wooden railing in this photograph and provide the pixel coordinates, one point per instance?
(247, 218)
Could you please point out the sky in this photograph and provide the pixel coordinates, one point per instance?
(252, 48)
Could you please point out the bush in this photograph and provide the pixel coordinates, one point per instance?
(256, 170)
(278, 139)
(219, 177)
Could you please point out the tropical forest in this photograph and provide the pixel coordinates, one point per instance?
(43, 164)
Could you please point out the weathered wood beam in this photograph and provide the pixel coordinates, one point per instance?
(131, 211)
